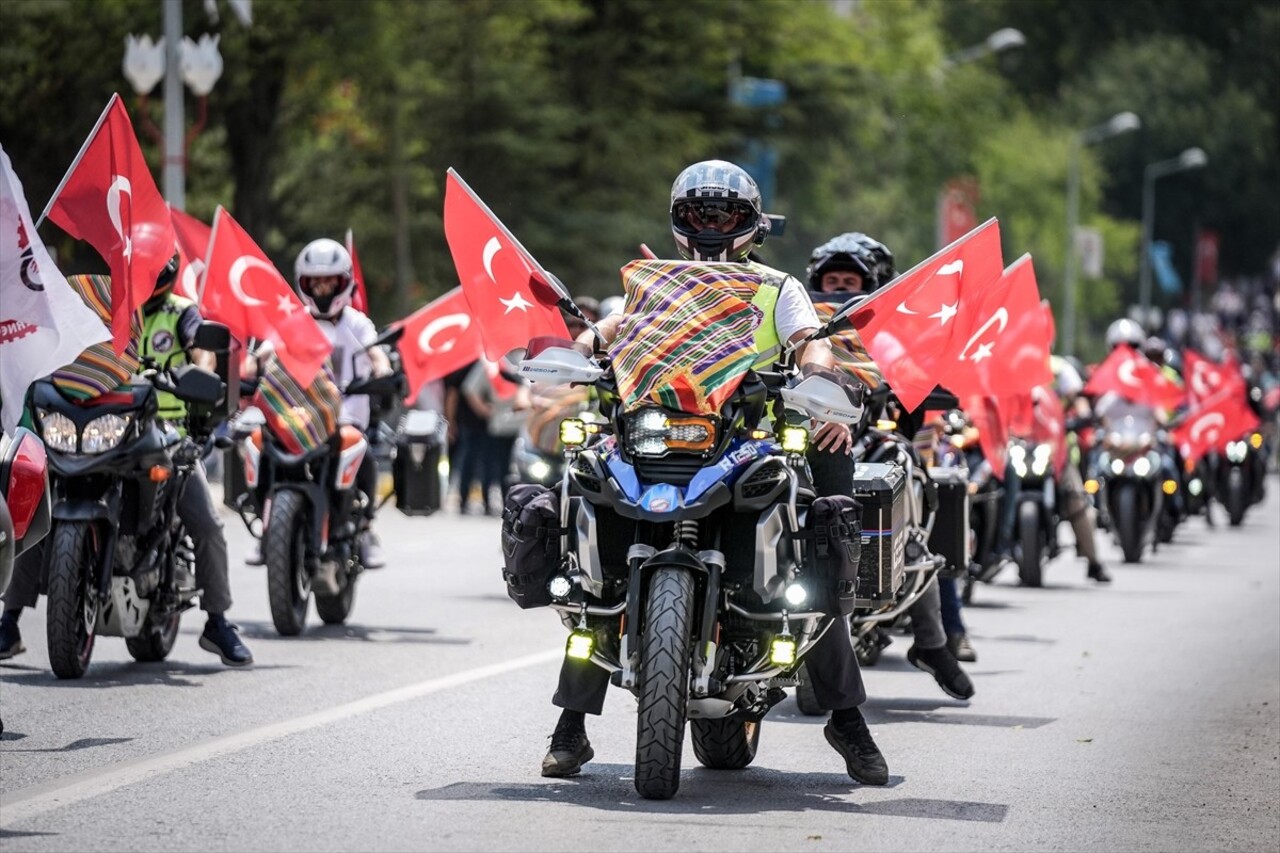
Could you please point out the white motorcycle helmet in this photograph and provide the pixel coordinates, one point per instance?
(1125, 331)
(320, 259)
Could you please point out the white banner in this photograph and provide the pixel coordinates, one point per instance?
(44, 324)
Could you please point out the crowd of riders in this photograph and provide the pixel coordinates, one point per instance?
(716, 216)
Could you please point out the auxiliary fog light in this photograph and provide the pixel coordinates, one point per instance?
(1091, 486)
(581, 644)
(573, 432)
(795, 439)
(1169, 486)
(560, 587)
(782, 651)
(1195, 487)
(1117, 467)
(1255, 441)
(796, 594)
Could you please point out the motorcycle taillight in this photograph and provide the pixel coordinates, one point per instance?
(28, 481)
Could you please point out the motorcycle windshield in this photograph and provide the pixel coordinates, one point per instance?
(689, 336)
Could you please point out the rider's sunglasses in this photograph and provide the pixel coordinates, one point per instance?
(718, 214)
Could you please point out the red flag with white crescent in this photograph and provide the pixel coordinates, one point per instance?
(439, 338)
(246, 293)
(507, 289)
(1210, 425)
(1006, 350)
(109, 199)
(193, 245)
(915, 327)
(1134, 377)
(1206, 378)
(993, 433)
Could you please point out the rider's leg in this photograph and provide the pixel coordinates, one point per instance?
(930, 652)
(200, 518)
(23, 591)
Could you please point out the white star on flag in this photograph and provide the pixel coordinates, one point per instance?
(945, 313)
(285, 305)
(983, 351)
(517, 301)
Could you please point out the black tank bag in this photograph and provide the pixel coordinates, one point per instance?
(530, 543)
(833, 535)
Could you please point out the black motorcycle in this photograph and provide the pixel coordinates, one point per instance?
(304, 504)
(1128, 472)
(1241, 469)
(1036, 522)
(120, 562)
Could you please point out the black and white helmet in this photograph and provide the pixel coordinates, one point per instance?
(320, 259)
(716, 212)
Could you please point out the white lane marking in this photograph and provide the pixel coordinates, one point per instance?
(38, 799)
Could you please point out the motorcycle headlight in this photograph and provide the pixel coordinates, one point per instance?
(1142, 466)
(653, 432)
(1236, 451)
(58, 431)
(102, 434)
(1117, 467)
(1041, 458)
(539, 470)
(1019, 466)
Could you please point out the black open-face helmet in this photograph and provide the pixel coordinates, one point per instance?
(716, 212)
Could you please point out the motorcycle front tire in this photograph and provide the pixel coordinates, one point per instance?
(284, 545)
(73, 602)
(1031, 552)
(666, 647)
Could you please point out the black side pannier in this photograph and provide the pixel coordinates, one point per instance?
(415, 469)
(833, 535)
(530, 543)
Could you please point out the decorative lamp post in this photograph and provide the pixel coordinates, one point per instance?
(1114, 126)
(998, 42)
(174, 59)
(1192, 158)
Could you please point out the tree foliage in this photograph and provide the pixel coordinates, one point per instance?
(572, 117)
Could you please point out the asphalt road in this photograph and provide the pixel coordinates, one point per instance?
(1140, 716)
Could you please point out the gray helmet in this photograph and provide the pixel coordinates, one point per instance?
(716, 212)
(1125, 331)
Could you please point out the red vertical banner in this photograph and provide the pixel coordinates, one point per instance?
(957, 209)
(1207, 256)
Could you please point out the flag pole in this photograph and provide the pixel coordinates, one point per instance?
(115, 96)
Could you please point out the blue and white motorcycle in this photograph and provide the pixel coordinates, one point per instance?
(683, 568)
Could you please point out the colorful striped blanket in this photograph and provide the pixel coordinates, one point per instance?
(98, 370)
(850, 355)
(689, 336)
(302, 418)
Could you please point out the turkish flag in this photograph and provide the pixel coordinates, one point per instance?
(108, 199)
(359, 299)
(246, 293)
(915, 328)
(1134, 377)
(507, 289)
(1006, 351)
(193, 245)
(993, 432)
(1221, 418)
(1205, 378)
(1048, 424)
(1050, 325)
(439, 338)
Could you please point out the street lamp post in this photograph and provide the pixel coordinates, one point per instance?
(998, 42)
(1117, 124)
(176, 59)
(1192, 158)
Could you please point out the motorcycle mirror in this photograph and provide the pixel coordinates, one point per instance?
(388, 336)
(214, 337)
(197, 385)
(777, 224)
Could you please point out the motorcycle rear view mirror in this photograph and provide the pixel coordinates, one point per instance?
(827, 396)
(555, 361)
(214, 337)
(388, 336)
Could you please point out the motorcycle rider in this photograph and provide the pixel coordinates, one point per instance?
(1069, 386)
(852, 263)
(325, 282)
(169, 324)
(716, 216)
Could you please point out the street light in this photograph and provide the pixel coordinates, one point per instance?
(1192, 158)
(1114, 126)
(175, 59)
(998, 42)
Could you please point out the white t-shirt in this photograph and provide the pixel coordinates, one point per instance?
(350, 334)
(794, 311)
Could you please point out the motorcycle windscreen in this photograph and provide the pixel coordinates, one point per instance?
(302, 418)
(689, 337)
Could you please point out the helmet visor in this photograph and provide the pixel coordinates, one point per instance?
(723, 215)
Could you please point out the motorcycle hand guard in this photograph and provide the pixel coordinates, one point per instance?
(827, 395)
(554, 361)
